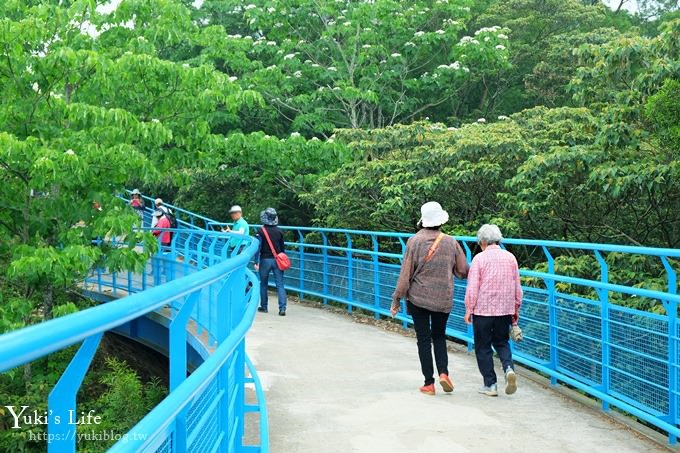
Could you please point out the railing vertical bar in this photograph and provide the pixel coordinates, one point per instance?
(604, 327)
(552, 315)
(350, 273)
(672, 314)
(376, 276)
(301, 265)
(324, 276)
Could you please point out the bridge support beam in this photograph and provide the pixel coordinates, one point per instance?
(61, 403)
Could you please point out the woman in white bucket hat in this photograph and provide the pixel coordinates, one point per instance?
(426, 281)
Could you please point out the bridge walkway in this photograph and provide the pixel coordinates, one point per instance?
(333, 384)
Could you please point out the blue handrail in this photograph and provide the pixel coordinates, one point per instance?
(197, 278)
(625, 357)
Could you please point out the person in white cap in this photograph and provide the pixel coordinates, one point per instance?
(159, 207)
(426, 281)
(240, 225)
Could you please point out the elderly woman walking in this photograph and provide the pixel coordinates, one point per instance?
(492, 302)
(426, 281)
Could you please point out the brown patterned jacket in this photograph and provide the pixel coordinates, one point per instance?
(430, 285)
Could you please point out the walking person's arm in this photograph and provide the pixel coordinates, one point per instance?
(256, 258)
(472, 291)
(461, 267)
(404, 281)
(519, 294)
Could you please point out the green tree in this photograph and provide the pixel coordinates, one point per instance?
(322, 65)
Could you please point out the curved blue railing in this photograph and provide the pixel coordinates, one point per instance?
(202, 286)
(627, 358)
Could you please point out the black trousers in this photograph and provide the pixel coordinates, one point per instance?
(430, 329)
(492, 331)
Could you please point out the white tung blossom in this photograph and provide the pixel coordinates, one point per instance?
(332, 69)
(418, 34)
(271, 9)
(409, 44)
(233, 79)
(271, 43)
(295, 134)
(347, 24)
(297, 74)
(290, 56)
(70, 152)
(493, 29)
(251, 6)
(502, 36)
(440, 32)
(481, 120)
(503, 118)
(396, 55)
(366, 46)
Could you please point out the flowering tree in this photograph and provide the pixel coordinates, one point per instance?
(328, 64)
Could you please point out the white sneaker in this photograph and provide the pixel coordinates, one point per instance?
(491, 390)
(510, 381)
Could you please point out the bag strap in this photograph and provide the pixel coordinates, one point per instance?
(271, 246)
(433, 247)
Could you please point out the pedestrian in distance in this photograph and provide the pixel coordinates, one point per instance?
(430, 261)
(240, 226)
(162, 222)
(271, 245)
(492, 302)
(137, 203)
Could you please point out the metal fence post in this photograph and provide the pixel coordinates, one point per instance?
(470, 333)
(177, 343)
(61, 402)
(604, 326)
(672, 314)
(324, 253)
(552, 315)
(301, 261)
(350, 272)
(376, 276)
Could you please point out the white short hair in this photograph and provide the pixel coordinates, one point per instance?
(489, 233)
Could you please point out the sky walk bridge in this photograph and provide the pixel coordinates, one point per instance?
(315, 381)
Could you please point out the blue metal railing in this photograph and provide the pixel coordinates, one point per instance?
(627, 358)
(200, 284)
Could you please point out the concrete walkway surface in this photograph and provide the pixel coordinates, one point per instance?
(335, 385)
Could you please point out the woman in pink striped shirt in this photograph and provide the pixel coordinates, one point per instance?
(492, 302)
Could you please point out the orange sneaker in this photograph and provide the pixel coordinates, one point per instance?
(446, 383)
(427, 389)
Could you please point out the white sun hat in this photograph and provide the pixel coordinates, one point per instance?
(235, 208)
(433, 215)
